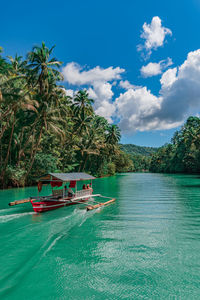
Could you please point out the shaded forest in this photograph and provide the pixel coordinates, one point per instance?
(42, 129)
(140, 156)
(182, 155)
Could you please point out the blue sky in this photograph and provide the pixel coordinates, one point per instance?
(97, 42)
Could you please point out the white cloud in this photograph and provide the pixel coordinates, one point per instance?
(182, 95)
(168, 78)
(74, 74)
(103, 90)
(98, 80)
(69, 92)
(106, 109)
(179, 97)
(125, 84)
(154, 35)
(134, 108)
(102, 94)
(153, 69)
(137, 108)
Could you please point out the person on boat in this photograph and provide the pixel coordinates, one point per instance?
(84, 187)
(88, 186)
(70, 193)
(65, 190)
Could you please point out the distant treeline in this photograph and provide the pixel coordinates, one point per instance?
(138, 150)
(182, 155)
(42, 129)
(140, 156)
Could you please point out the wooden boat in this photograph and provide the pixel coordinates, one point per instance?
(63, 195)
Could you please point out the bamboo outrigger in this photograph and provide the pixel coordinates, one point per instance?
(64, 196)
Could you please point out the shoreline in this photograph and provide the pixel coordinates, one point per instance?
(105, 176)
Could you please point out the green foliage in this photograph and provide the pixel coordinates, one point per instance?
(124, 162)
(136, 150)
(15, 176)
(183, 154)
(140, 156)
(111, 168)
(44, 163)
(141, 162)
(44, 130)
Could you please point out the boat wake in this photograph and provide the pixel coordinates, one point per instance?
(7, 218)
(54, 231)
(88, 215)
(61, 228)
(5, 210)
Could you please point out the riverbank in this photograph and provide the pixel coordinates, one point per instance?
(45, 130)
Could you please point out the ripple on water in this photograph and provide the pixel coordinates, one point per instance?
(145, 246)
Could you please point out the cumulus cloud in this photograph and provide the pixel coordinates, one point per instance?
(125, 84)
(76, 75)
(100, 83)
(153, 69)
(154, 35)
(69, 92)
(168, 78)
(134, 106)
(102, 93)
(106, 109)
(137, 108)
(181, 89)
(178, 98)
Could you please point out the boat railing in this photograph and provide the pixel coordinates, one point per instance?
(83, 193)
(57, 192)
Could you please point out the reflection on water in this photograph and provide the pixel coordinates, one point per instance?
(144, 246)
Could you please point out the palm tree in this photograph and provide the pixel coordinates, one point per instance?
(17, 98)
(42, 67)
(44, 75)
(94, 142)
(113, 135)
(49, 120)
(82, 104)
(18, 66)
(12, 83)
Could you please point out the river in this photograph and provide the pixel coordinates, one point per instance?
(146, 245)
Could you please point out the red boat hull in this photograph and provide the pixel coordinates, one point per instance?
(46, 205)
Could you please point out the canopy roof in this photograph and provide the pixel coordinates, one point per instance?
(66, 176)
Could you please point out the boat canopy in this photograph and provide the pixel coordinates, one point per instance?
(64, 177)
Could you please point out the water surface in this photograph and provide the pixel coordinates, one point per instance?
(144, 246)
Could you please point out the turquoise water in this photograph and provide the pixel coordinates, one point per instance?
(144, 246)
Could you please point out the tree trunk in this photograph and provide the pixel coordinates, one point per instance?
(89, 167)
(20, 142)
(32, 148)
(85, 162)
(34, 153)
(79, 169)
(87, 155)
(21, 151)
(8, 152)
(4, 127)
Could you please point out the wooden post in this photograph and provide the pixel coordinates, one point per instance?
(90, 207)
(19, 202)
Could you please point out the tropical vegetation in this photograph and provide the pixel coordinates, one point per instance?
(182, 155)
(42, 129)
(140, 156)
(138, 150)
